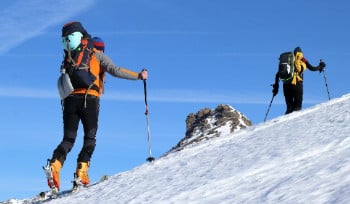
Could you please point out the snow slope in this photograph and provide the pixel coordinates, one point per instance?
(303, 157)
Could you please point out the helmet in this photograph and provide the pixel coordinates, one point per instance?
(72, 41)
(72, 27)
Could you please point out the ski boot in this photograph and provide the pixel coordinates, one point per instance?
(52, 172)
(81, 177)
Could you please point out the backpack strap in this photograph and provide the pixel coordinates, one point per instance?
(81, 59)
(85, 56)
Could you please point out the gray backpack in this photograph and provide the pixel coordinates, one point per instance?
(286, 66)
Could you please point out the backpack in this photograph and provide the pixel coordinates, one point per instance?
(76, 65)
(286, 66)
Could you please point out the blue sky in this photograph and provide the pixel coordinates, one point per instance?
(199, 53)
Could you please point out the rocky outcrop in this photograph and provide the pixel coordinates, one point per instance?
(208, 123)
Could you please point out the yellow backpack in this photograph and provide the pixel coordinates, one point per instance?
(300, 67)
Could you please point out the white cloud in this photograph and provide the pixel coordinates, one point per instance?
(22, 92)
(173, 96)
(23, 20)
(167, 96)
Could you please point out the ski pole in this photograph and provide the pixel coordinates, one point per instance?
(268, 109)
(150, 158)
(325, 81)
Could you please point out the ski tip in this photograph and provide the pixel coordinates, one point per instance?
(150, 159)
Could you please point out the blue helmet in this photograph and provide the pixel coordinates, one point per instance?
(72, 41)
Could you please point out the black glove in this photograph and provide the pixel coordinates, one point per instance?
(275, 89)
(321, 66)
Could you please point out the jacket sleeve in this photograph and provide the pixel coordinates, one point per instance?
(309, 66)
(108, 66)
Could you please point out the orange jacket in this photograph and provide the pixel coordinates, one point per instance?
(101, 63)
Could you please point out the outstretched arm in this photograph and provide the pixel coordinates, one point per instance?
(320, 67)
(108, 66)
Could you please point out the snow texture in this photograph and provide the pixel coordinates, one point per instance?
(303, 157)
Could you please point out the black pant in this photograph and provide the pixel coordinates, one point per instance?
(293, 95)
(73, 112)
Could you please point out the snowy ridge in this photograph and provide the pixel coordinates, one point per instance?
(303, 157)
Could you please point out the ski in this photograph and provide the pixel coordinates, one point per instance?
(46, 196)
